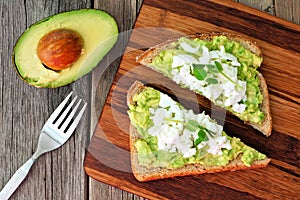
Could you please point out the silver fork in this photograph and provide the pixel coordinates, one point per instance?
(56, 131)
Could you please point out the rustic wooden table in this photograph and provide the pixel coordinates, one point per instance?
(24, 109)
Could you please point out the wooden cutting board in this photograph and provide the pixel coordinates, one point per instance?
(108, 156)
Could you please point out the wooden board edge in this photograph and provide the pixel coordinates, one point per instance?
(103, 177)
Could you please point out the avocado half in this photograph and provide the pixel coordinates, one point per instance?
(98, 30)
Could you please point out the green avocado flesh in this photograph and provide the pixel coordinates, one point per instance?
(247, 71)
(149, 155)
(98, 29)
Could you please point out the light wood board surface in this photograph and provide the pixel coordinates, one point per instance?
(24, 109)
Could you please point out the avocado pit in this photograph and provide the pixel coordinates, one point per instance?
(60, 48)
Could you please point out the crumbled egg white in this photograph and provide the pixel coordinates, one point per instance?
(182, 59)
(188, 47)
(172, 135)
(230, 94)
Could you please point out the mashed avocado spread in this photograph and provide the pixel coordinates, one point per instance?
(222, 70)
(171, 136)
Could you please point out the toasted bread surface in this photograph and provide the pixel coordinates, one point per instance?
(266, 126)
(143, 173)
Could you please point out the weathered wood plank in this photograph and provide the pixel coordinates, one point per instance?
(264, 5)
(288, 9)
(24, 109)
(285, 9)
(19, 135)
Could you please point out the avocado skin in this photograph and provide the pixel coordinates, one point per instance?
(93, 52)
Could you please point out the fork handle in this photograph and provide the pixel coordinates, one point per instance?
(16, 180)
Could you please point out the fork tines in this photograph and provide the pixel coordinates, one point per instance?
(62, 117)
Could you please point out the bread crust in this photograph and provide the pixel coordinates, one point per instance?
(147, 174)
(266, 126)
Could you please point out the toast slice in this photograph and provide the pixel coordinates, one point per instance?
(150, 160)
(264, 123)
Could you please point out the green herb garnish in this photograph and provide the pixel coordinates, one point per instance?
(201, 137)
(203, 132)
(212, 81)
(193, 125)
(201, 74)
(220, 69)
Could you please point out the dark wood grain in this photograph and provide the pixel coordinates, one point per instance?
(108, 158)
(215, 13)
